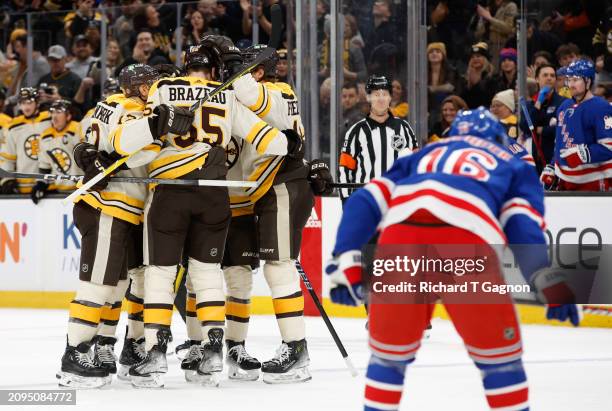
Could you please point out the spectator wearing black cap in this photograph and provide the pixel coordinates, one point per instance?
(66, 82)
(476, 84)
(83, 58)
(373, 143)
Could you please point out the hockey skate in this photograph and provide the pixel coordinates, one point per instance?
(241, 366)
(182, 350)
(149, 372)
(191, 361)
(80, 370)
(290, 364)
(211, 364)
(132, 353)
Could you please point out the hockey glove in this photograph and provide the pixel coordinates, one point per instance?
(295, 144)
(103, 161)
(345, 274)
(9, 187)
(576, 155)
(548, 177)
(84, 154)
(551, 287)
(170, 119)
(320, 178)
(39, 191)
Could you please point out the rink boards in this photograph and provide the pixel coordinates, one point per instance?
(39, 251)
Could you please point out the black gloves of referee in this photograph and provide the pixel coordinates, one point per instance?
(320, 178)
(170, 119)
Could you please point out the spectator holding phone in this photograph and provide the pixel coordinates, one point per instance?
(65, 81)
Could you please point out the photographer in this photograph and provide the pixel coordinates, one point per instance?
(65, 81)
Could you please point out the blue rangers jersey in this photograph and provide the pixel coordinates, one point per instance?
(467, 182)
(589, 123)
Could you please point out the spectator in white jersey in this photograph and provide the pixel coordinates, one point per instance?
(373, 143)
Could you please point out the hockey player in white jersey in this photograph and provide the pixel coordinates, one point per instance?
(267, 223)
(108, 219)
(56, 146)
(111, 86)
(22, 142)
(199, 214)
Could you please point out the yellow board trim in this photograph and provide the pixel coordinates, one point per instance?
(263, 306)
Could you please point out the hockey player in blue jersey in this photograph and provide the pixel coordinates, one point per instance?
(466, 189)
(583, 143)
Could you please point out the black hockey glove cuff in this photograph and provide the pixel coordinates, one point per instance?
(170, 119)
(320, 178)
(295, 144)
(84, 154)
(38, 191)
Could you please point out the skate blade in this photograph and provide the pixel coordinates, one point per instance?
(210, 380)
(181, 354)
(151, 381)
(123, 373)
(238, 374)
(192, 376)
(68, 380)
(291, 377)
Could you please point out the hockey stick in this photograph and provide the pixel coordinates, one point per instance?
(328, 323)
(534, 137)
(347, 185)
(265, 55)
(135, 180)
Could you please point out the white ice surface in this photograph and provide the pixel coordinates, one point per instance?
(568, 370)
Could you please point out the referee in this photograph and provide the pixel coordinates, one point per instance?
(373, 143)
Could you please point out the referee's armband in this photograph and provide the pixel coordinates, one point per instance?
(346, 160)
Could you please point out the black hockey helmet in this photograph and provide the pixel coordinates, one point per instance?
(251, 53)
(28, 93)
(60, 105)
(135, 75)
(111, 86)
(168, 70)
(226, 57)
(378, 83)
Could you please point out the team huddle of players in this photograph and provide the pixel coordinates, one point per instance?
(134, 236)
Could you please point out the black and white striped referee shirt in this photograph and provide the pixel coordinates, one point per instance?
(370, 148)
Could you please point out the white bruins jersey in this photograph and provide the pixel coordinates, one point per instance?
(22, 145)
(85, 125)
(121, 200)
(55, 156)
(277, 105)
(213, 125)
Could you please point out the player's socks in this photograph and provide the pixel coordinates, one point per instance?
(505, 386)
(384, 384)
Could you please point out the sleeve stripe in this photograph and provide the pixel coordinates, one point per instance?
(265, 141)
(8, 156)
(262, 100)
(115, 139)
(380, 189)
(250, 137)
(516, 206)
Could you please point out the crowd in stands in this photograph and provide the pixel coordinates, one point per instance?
(471, 51)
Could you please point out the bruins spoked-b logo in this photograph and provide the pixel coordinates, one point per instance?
(232, 151)
(398, 142)
(61, 159)
(31, 146)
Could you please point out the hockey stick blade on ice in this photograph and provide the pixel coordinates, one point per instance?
(328, 323)
(134, 180)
